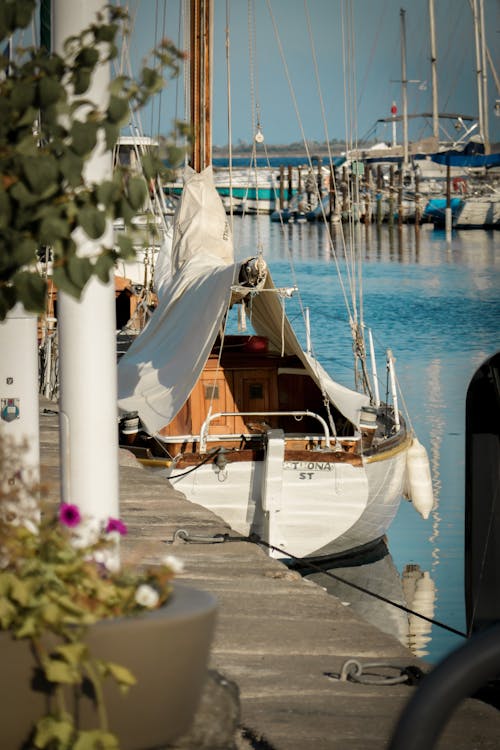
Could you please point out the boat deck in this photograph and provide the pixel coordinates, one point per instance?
(278, 636)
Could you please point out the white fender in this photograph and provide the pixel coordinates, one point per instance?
(419, 480)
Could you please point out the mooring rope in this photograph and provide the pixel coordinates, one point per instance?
(256, 539)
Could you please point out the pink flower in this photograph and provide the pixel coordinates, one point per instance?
(69, 515)
(114, 524)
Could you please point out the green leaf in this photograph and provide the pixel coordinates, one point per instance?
(92, 221)
(62, 672)
(7, 613)
(83, 137)
(73, 653)
(51, 614)
(149, 166)
(50, 728)
(29, 118)
(152, 79)
(71, 166)
(107, 193)
(23, 96)
(53, 227)
(81, 80)
(24, 12)
(24, 251)
(64, 283)
(22, 195)
(122, 675)
(137, 192)
(126, 246)
(112, 132)
(118, 110)
(28, 628)
(106, 33)
(125, 210)
(31, 290)
(103, 265)
(41, 172)
(79, 271)
(20, 591)
(8, 299)
(5, 209)
(50, 91)
(88, 57)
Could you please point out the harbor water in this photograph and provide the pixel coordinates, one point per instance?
(435, 303)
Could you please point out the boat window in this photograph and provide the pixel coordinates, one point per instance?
(211, 392)
(255, 390)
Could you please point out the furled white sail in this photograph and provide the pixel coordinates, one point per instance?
(160, 369)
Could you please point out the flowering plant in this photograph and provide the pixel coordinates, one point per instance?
(59, 574)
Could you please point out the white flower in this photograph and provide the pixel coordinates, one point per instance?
(112, 564)
(175, 565)
(146, 596)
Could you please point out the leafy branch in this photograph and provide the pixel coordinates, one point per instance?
(48, 129)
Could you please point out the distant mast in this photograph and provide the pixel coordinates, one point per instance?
(435, 111)
(404, 85)
(201, 15)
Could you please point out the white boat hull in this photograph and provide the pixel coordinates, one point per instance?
(324, 508)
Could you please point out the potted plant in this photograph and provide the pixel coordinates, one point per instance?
(94, 655)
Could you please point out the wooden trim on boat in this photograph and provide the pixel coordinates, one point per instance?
(383, 455)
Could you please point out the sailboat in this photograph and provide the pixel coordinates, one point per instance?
(251, 425)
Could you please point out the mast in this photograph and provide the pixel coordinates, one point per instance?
(484, 69)
(404, 85)
(201, 14)
(479, 72)
(432, 30)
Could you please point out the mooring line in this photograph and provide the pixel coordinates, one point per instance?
(256, 539)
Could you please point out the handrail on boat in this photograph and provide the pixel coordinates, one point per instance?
(306, 413)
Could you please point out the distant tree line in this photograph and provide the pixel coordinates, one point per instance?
(316, 147)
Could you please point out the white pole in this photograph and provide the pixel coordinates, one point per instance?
(374, 368)
(19, 405)
(87, 340)
(394, 392)
(308, 331)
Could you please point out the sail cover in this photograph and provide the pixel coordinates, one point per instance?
(268, 319)
(159, 371)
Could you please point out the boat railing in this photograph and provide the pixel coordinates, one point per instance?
(297, 414)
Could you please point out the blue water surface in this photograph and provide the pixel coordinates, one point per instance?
(435, 303)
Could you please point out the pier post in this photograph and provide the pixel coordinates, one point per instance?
(448, 217)
(282, 187)
(417, 204)
(88, 371)
(379, 194)
(391, 195)
(400, 198)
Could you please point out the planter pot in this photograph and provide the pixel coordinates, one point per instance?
(166, 650)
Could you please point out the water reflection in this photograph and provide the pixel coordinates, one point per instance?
(414, 590)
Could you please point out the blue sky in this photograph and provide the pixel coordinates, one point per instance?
(369, 84)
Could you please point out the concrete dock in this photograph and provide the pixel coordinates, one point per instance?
(278, 636)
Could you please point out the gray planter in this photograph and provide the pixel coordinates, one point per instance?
(167, 651)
